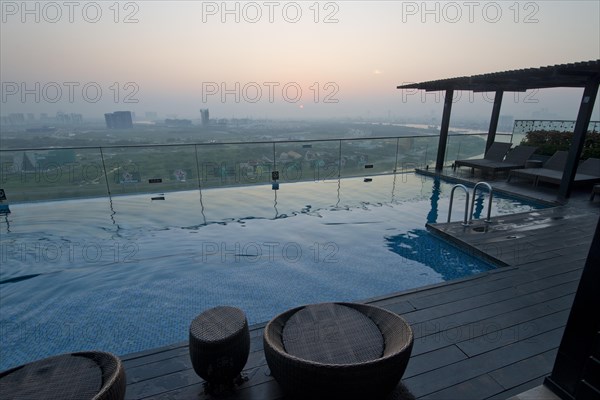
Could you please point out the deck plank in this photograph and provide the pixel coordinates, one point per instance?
(531, 368)
(471, 368)
(474, 389)
(437, 338)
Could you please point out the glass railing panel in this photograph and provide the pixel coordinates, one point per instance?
(505, 138)
(151, 169)
(231, 164)
(153, 186)
(34, 175)
(464, 146)
(416, 152)
(308, 161)
(366, 157)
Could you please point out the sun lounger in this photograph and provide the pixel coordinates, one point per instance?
(554, 167)
(552, 172)
(587, 172)
(515, 159)
(495, 153)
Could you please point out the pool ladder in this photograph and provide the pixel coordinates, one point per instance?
(468, 218)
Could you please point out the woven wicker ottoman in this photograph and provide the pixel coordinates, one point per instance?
(337, 351)
(219, 344)
(85, 375)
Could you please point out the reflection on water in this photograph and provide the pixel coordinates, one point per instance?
(432, 216)
(136, 213)
(7, 223)
(478, 205)
(275, 204)
(201, 205)
(112, 216)
(420, 246)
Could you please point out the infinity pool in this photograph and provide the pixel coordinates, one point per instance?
(130, 273)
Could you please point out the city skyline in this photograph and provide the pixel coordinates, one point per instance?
(285, 59)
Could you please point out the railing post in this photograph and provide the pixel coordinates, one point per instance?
(274, 159)
(198, 168)
(397, 149)
(105, 174)
(340, 161)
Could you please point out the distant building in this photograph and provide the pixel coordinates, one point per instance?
(151, 115)
(69, 119)
(109, 119)
(62, 118)
(119, 120)
(77, 118)
(16, 119)
(30, 117)
(204, 116)
(178, 122)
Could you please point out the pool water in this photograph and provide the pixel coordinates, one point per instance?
(130, 273)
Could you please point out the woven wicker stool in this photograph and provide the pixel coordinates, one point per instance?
(337, 351)
(219, 344)
(85, 375)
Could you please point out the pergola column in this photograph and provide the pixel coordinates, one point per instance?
(574, 359)
(494, 120)
(581, 125)
(439, 164)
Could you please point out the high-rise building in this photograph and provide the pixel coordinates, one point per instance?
(119, 120)
(204, 116)
(16, 118)
(76, 118)
(109, 119)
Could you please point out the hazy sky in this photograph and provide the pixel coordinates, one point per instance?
(283, 59)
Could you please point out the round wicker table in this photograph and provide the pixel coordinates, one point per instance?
(219, 344)
(337, 351)
(84, 375)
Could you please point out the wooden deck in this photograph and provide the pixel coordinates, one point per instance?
(486, 337)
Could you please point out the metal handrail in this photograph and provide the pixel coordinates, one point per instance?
(464, 188)
(276, 142)
(489, 212)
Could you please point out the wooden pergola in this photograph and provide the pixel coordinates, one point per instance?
(584, 75)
